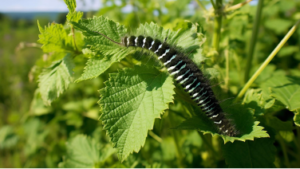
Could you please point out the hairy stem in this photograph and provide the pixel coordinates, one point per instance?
(268, 60)
(217, 25)
(253, 39)
(227, 70)
(73, 32)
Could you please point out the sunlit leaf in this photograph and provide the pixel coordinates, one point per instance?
(130, 102)
(54, 80)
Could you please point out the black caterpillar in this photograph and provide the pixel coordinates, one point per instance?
(187, 74)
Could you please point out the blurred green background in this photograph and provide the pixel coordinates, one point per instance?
(33, 135)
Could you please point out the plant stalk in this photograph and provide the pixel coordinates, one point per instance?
(176, 140)
(268, 60)
(217, 25)
(73, 32)
(253, 39)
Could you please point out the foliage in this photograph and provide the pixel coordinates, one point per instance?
(145, 119)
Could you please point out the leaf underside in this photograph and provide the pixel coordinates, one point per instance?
(284, 88)
(259, 153)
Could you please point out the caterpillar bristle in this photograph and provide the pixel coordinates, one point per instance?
(188, 75)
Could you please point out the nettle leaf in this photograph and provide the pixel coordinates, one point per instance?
(55, 39)
(95, 66)
(71, 4)
(284, 88)
(260, 101)
(55, 79)
(107, 52)
(73, 15)
(187, 39)
(130, 102)
(259, 153)
(242, 118)
(84, 152)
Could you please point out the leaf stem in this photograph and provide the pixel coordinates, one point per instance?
(217, 25)
(73, 32)
(268, 60)
(237, 6)
(156, 137)
(201, 5)
(253, 39)
(227, 69)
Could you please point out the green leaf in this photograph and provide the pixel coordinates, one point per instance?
(84, 152)
(104, 52)
(73, 15)
(288, 51)
(277, 124)
(259, 153)
(55, 79)
(130, 102)
(284, 88)
(185, 39)
(55, 39)
(8, 139)
(242, 118)
(297, 119)
(71, 5)
(278, 25)
(37, 106)
(96, 66)
(36, 134)
(261, 102)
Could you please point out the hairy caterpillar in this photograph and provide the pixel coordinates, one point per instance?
(188, 75)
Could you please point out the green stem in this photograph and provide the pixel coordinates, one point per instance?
(213, 4)
(253, 39)
(268, 60)
(73, 32)
(227, 70)
(156, 137)
(284, 150)
(201, 5)
(217, 25)
(176, 140)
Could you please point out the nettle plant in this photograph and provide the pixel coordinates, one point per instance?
(143, 89)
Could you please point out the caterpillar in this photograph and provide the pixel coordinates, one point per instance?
(188, 75)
